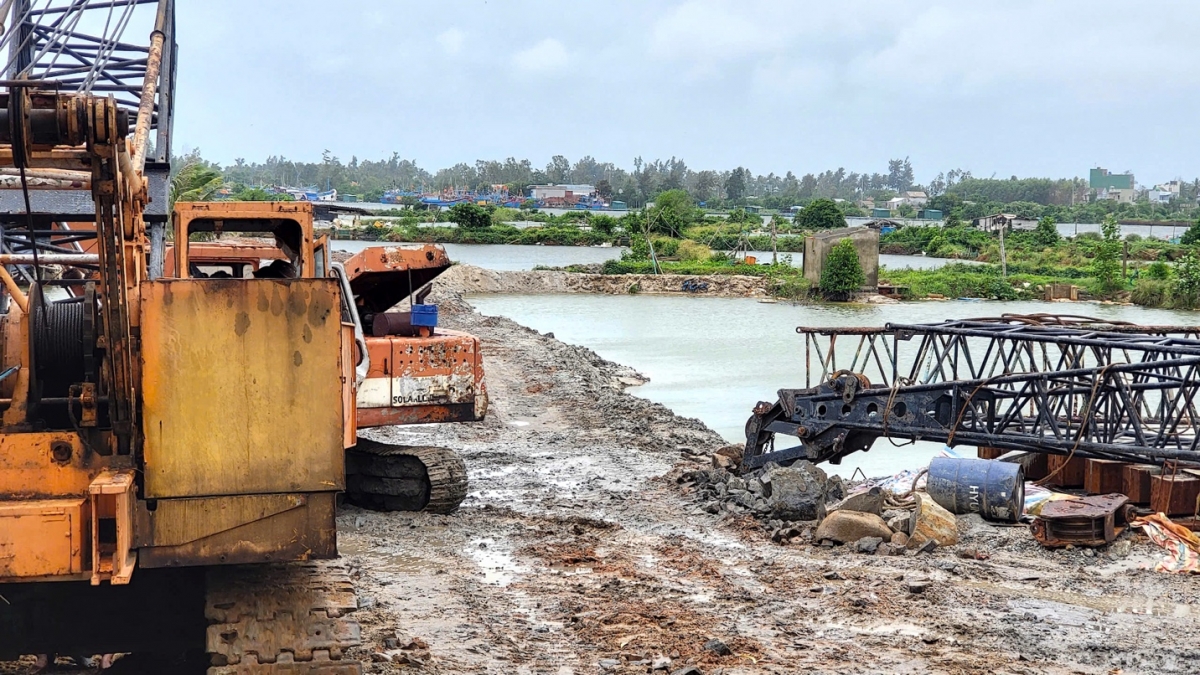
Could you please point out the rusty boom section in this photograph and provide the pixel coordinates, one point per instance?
(1060, 385)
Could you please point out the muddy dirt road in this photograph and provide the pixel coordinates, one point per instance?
(578, 552)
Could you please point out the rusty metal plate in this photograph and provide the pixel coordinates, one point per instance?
(242, 387)
(1097, 506)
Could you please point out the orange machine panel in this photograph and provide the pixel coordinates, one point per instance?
(421, 380)
(42, 537)
(47, 465)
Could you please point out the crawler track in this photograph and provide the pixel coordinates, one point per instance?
(405, 478)
(291, 619)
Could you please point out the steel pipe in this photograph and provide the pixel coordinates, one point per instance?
(141, 133)
(50, 259)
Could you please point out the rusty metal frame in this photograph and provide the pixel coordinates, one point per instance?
(1052, 385)
(233, 217)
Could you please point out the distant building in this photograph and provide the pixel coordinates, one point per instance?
(1171, 186)
(1101, 179)
(1121, 195)
(1119, 187)
(566, 194)
(1165, 192)
(915, 198)
(1009, 221)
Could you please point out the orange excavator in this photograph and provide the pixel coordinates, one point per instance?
(179, 413)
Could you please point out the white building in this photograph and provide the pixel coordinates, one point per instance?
(915, 198)
(1008, 221)
(1119, 195)
(567, 192)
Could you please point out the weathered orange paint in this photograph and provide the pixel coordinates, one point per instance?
(42, 538)
(29, 470)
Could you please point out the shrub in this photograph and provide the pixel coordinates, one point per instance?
(1151, 293)
(470, 216)
(1158, 271)
(665, 247)
(1187, 282)
(1106, 263)
(693, 251)
(503, 215)
(603, 223)
(673, 210)
(842, 274)
(1192, 236)
(791, 287)
(820, 214)
(1046, 234)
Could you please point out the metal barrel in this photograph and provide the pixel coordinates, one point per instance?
(993, 489)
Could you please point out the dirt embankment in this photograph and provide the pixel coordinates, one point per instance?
(468, 280)
(579, 550)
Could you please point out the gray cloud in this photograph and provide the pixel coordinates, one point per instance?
(1014, 87)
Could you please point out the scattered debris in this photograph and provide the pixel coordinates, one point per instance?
(717, 647)
(1182, 545)
(917, 585)
(868, 544)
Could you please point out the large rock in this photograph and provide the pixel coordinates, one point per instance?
(797, 492)
(866, 501)
(845, 527)
(930, 522)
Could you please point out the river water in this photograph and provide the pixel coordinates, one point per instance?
(714, 358)
(502, 257)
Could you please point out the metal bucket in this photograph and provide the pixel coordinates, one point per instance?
(993, 489)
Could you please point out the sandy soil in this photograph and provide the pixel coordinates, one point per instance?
(579, 551)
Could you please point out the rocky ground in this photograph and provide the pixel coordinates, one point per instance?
(468, 279)
(598, 538)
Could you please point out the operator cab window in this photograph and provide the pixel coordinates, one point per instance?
(268, 248)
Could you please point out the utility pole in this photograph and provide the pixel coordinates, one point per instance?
(1003, 257)
(774, 246)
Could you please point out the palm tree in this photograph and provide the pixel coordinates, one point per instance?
(195, 182)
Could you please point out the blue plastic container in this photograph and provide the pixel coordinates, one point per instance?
(993, 489)
(424, 315)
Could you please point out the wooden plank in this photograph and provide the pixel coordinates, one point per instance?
(988, 453)
(1103, 476)
(1070, 476)
(1174, 495)
(1135, 482)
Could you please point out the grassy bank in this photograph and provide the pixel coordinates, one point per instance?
(959, 280)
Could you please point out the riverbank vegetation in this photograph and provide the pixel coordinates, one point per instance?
(676, 236)
(680, 214)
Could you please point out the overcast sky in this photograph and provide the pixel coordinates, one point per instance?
(1023, 87)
